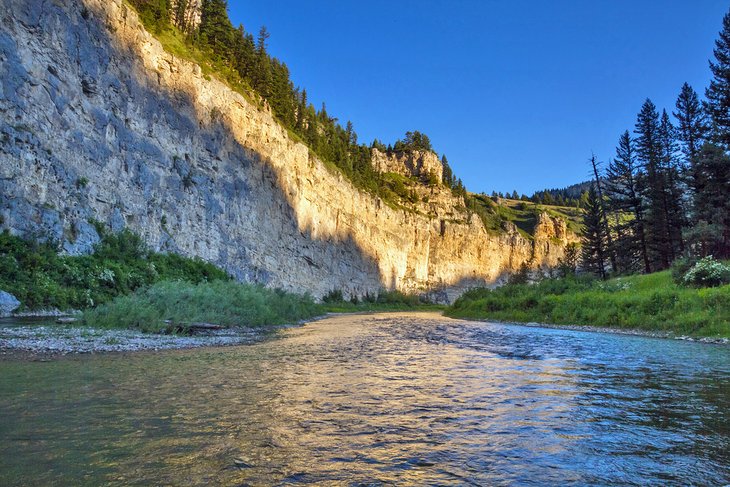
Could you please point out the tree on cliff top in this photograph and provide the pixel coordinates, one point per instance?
(215, 28)
(414, 141)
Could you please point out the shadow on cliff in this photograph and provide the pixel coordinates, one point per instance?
(166, 154)
(180, 177)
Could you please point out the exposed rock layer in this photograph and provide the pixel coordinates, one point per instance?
(98, 122)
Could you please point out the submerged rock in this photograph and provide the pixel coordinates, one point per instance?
(8, 303)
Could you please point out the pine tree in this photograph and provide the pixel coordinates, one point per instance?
(673, 190)
(711, 208)
(718, 93)
(624, 195)
(650, 153)
(604, 213)
(692, 122)
(593, 255)
(448, 173)
(215, 29)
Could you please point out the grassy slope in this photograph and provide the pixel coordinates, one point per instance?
(523, 214)
(647, 302)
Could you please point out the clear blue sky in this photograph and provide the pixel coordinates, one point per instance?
(517, 94)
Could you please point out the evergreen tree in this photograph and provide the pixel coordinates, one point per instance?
(692, 122)
(718, 93)
(602, 202)
(673, 190)
(650, 154)
(711, 208)
(624, 196)
(215, 30)
(593, 255)
(448, 173)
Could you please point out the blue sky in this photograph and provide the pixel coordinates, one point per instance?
(517, 94)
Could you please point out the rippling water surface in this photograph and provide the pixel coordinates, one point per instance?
(376, 399)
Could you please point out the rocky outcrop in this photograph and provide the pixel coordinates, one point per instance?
(420, 164)
(8, 303)
(98, 122)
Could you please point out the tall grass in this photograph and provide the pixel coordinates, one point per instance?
(649, 302)
(224, 303)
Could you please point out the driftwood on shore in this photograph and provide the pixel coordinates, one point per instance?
(190, 328)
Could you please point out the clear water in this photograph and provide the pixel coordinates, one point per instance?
(381, 399)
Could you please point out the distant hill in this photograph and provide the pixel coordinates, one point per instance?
(574, 191)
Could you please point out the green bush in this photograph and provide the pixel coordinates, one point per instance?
(680, 267)
(225, 303)
(40, 277)
(708, 272)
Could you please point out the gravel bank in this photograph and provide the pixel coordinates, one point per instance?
(55, 340)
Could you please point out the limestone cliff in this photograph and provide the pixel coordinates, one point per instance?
(421, 164)
(98, 122)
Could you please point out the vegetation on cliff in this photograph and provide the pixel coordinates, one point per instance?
(644, 302)
(242, 60)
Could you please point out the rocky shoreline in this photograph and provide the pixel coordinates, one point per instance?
(49, 341)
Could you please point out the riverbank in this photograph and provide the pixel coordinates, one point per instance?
(665, 335)
(647, 303)
(43, 342)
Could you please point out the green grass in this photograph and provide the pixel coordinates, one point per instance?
(523, 214)
(644, 302)
(383, 301)
(41, 278)
(225, 303)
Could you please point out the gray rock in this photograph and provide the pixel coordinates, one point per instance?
(8, 303)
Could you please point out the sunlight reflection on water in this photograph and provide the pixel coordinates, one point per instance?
(377, 399)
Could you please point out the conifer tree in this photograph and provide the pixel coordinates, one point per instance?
(215, 29)
(673, 191)
(650, 153)
(448, 173)
(593, 254)
(624, 194)
(602, 202)
(711, 208)
(691, 122)
(718, 93)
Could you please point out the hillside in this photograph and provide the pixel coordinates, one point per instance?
(99, 123)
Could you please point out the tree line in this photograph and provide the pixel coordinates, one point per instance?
(666, 193)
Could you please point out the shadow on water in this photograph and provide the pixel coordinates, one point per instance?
(393, 398)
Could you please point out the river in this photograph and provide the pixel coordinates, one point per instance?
(397, 398)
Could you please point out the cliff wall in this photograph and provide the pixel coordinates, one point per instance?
(98, 122)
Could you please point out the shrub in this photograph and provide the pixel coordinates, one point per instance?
(220, 302)
(708, 273)
(680, 267)
(334, 296)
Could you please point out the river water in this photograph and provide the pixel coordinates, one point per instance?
(407, 399)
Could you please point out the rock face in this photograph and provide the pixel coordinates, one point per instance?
(8, 303)
(415, 163)
(98, 122)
